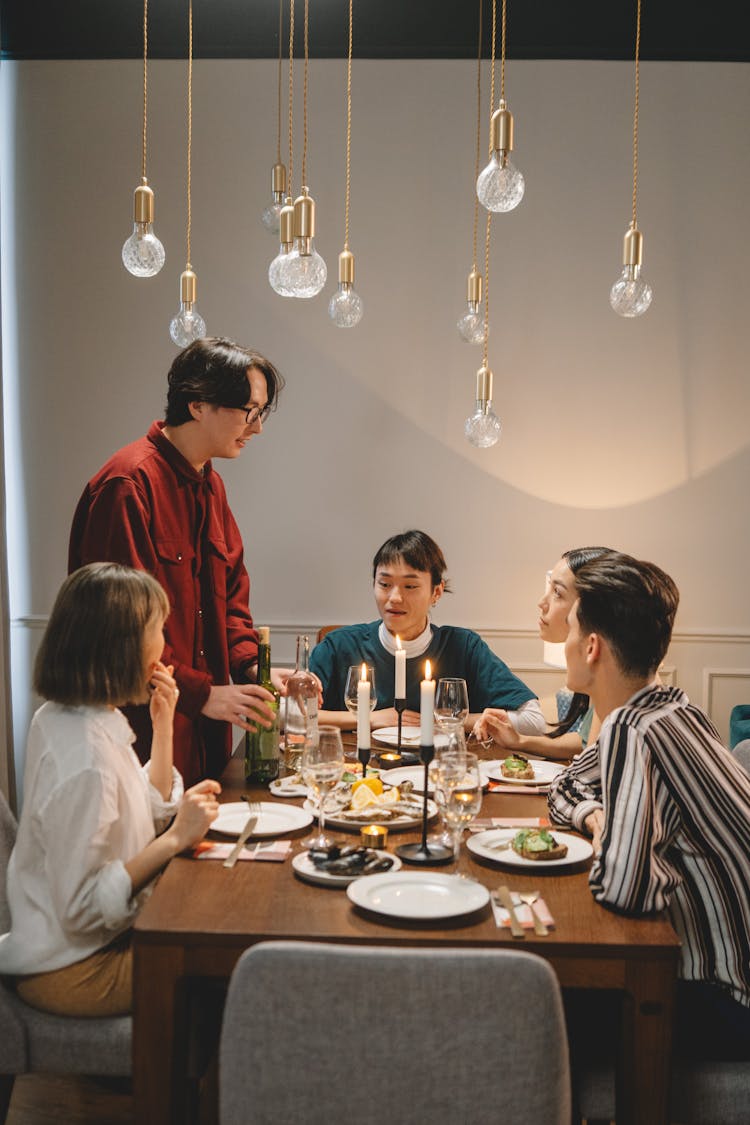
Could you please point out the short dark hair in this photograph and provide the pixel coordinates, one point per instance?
(215, 370)
(632, 604)
(417, 549)
(577, 556)
(92, 649)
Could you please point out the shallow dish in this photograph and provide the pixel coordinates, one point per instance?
(306, 869)
(410, 736)
(418, 895)
(273, 819)
(578, 849)
(415, 774)
(278, 788)
(394, 824)
(544, 772)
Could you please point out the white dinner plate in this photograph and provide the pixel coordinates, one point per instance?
(273, 819)
(418, 895)
(578, 849)
(415, 774)
(397, 824)
(307, 870)
(544, 772)
(285, 787)
(409, 737)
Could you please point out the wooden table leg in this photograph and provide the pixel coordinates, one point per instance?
(644, 1070)
(158, 1086)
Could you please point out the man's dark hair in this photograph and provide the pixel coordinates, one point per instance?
(632, 604)
(215, 370)
(416, 549)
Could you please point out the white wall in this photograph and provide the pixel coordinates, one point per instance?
(628, 433)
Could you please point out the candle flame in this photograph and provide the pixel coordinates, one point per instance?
(427, 670)
(398, 641)
(363, 673)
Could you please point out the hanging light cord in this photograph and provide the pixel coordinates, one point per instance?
(479, 143)
(492, 66)
(291, 94)
(486, 288)
(502, 57)
(304, 100)
(278, 96)
(348, 129)
(190, 129)
(145, 90)
(635, 112)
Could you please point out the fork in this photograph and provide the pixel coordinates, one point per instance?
(530, 897)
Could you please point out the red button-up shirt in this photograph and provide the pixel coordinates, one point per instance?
(149, 508)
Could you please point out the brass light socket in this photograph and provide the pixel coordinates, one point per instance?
(286, 223)
(346, 268)
(278, 179)
(474, 288)
(188, 286)
(304, 215)
(484, 385)
(143, 204)
(632, 247)
(501, 129)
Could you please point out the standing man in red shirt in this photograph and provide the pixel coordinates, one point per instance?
(159, 505)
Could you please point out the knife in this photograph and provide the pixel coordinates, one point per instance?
(233, 856)
(503, 896)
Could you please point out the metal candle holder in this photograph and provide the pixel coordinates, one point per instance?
(400, 705)
(429, 855)
(363, 754)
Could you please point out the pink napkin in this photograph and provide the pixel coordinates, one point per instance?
(482, 823)
(523, 914)
(275, 850)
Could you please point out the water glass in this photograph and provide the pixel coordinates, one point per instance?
(451, 703)
(322, 766)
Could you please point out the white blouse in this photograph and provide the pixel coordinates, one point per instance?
(88, 809)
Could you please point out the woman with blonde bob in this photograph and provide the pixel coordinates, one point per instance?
(94, 831)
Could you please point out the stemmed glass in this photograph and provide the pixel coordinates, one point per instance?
(350, 695)
(322, 767)
(451, 703)
(458, 792)
(453, 743)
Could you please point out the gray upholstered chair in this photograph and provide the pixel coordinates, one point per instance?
(35, 1041)
(742, 753)
(399, 1035)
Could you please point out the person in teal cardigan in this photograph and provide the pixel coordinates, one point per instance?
(409, 579)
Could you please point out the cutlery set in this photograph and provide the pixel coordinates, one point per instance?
(502, 897)
(252, 820)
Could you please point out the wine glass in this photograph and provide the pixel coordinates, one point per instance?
(458, 793)
(451, 703)
(353, 677)
(453, 743)
(322, 767)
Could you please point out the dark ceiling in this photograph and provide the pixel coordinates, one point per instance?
(715, 31)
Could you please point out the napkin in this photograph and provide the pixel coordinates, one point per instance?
(498, 787)
(482, 823)
(275, 850)
(523, 914)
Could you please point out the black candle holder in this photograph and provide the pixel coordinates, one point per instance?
(428, 855)
(400, 705)
(363, 755)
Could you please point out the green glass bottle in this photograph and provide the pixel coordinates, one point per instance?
(262, 745)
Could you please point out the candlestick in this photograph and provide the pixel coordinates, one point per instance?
(428, 855)
(400, 692)
(363, 719)
(427, 707)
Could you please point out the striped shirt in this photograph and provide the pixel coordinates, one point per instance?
(676, 829)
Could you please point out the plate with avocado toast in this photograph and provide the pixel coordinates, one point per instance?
(517, 769)
(537, 847)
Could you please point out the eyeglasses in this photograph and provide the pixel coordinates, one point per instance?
(253, 413)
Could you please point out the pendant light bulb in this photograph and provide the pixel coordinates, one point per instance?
(306, 271)
(482, 428)
(471, 324)
(143, 254)
(345, 307)
(271, 215)
(187, 325)
(278, 270)
(500, 185)
(631, 294)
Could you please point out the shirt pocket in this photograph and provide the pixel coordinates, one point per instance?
(176, 562)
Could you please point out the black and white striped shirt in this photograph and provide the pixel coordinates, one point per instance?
(676, 829)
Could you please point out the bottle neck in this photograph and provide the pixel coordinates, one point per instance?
(264, 663)
(303, 653)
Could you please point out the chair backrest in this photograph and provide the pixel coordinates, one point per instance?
(324, 630)
(8, 829)
(742, 753)
(398, 1035)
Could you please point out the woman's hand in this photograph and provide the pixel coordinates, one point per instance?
(197, 812)
(494, 723)
(388, 717)
(594, 822)
(164, 696)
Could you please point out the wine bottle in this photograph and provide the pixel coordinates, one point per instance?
(301, 715)
(262, 745)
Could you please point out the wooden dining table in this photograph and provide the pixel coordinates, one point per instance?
(201, 916)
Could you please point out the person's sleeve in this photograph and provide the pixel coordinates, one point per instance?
(577, 791)
(114, 525)
(89, 885)
(528, 718)
(324, 663)
(163, 811)
(490, 681)
(242, 638)
(631, 873)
